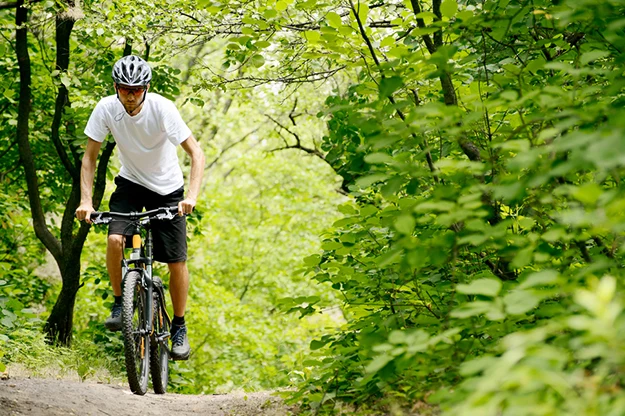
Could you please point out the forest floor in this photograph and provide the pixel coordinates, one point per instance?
(43, 397)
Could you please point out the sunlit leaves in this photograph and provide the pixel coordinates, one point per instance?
(449, 8)
(510, 229)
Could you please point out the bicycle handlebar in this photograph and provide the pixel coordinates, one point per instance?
(105, 217)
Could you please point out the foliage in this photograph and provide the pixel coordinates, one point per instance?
(479, 261)
(260, 213)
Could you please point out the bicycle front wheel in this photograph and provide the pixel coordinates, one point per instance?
(136, 333)
(159, 357)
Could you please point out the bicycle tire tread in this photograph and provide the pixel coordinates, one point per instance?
(137, 382)
(160, 376)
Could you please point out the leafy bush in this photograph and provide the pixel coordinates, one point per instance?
(480, 260)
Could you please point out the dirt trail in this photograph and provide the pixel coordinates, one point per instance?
(43, 397)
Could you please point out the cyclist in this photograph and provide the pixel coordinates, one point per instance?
(147, 129)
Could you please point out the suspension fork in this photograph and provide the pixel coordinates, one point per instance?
(138, 259)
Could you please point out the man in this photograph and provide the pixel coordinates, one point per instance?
(147, 128)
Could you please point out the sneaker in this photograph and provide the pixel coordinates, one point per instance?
(114, 322)
(180, 348)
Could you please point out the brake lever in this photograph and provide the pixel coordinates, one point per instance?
(167, 215)
(100, 220)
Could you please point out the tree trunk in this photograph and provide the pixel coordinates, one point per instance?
(66, 250)
(58, 328)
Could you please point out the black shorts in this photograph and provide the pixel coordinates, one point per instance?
(170, 236)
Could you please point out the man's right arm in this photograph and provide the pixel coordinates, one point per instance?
(87, 173)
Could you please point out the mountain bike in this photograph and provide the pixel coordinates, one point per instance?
(145, 322)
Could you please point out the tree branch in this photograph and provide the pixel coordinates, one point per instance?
(416, 8)
(363, 33)
(64, 27)
(26, 156)
(230, 146)
(312, 77)
(438, 35)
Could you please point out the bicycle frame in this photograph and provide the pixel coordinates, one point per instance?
(145, 344)
(143, 265)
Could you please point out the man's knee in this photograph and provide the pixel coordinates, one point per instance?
(115, 241)
(179, 265)
(178, 270)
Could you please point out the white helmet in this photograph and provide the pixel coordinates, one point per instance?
(132, 71)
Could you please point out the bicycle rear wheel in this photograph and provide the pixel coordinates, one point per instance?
(136, 333)
(159, 357)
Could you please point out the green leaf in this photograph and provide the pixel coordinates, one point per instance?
(317, 344)
(588, 193)
(405, 224)
(363, 11)
(270, 13)
(312, 36)
(378, 363)
(554, 234)
(477, 365)
(389, 85)
(378, 158)
(331, 245)
(390, 257)
(470, 309)
(465, 15)
(449, 8)
(520, 301)
(347, 209)
(196, 101)
(527, 223)
(486, 287)
(541, 278)
(523, 257)
(368, 210)
(591, 56)
(334, 20)
(258, 60)
(313, 260)
(369, 180)
(281, 6)
(262, 44)
(65, 80)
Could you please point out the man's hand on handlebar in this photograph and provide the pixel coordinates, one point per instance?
(83, 213)
(186, 206)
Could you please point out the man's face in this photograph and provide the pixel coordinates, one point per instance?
(130, 97)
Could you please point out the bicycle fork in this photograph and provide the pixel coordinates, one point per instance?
(143, 264)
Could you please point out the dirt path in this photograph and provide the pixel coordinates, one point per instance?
(39, 397)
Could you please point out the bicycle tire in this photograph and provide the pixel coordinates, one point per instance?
(136, 348)
(159, 357)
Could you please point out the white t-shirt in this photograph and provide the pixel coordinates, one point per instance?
(146, 142)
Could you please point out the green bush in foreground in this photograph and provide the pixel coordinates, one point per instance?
(481, 262)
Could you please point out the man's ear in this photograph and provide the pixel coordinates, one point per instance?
(147, 87)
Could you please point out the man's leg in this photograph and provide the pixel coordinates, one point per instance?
(178, 286)
(178, 289)
(114, 248)
(114, 253)
(127, 197)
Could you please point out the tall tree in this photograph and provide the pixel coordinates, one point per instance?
(66, 247)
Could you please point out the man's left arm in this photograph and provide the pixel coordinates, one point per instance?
(192, 148)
